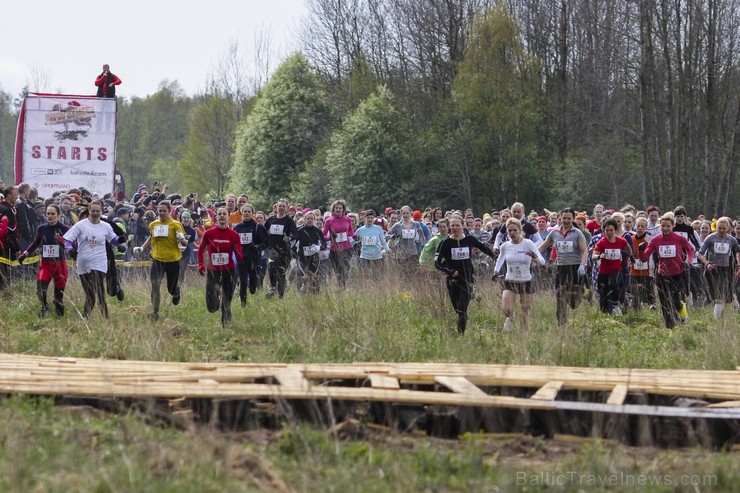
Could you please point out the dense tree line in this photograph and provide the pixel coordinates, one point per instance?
(462, 103)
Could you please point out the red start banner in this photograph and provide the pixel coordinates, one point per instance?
(65, 142)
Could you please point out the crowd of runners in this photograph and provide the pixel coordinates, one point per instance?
(627, 259)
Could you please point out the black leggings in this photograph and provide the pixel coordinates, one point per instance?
(219, 291)
(611, 289)
(94, 288)
(158, 271)
(340, 264)
(247, 276)
(568, 290)
(670, 290)
(278, 270)
(460, 291)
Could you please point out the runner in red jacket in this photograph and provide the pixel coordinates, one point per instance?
(672, 250)
(216, 254)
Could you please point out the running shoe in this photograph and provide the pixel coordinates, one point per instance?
(683, 313)
(44, 309)
(176, 297)
(508, 324)
(120, 295)
(616, 311)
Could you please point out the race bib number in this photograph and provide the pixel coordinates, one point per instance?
(246, 238)
(341, 237)
(310, 250)
(369, 240)
(277, 229)
(722, 248)
(667, 251)
(462, 253)
(160, 231)
(517, 271)
(685, 235)
(640, 265)
(408, 234)
(219, 259)
(612, 254)
(50, 251)
(564, 246)
(92, 241)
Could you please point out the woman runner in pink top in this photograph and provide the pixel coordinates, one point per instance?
(672, 250)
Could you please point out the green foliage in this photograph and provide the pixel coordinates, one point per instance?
(8, 123)
(291, 116)
(614, 177)
(370, 156)
(312, 185)
(500, 115)
(208, 153)
(150, 129)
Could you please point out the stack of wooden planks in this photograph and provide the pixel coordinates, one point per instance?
(446, 384)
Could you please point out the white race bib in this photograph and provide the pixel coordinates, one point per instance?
(324, 254)
(640, 265)
(219, 259)
(92, 241)
(685, 235)
(310, 250)
(461, 253)
(667, 251)
(612, 254)
(517, 271)
(408, 234)
(722, 248)
(369, 240)
(276, 229)
(564, 246)
(246, 238)
(50, 251)
(163, 230)
(341, 237)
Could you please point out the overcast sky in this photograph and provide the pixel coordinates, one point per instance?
(144, 42)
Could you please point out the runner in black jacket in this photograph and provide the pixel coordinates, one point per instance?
(454, 258)
(254, 239)
(281, 229)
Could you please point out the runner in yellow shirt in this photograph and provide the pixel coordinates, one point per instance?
(166, 235)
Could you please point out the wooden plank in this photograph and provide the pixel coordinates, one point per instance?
(487, 374)
(725, 404)
(460, 385)
(292, 379)
(549, 391)
(239, 391)
(618, 394)
(19, 370)
(378, 381)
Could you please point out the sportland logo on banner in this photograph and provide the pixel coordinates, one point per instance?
(66, 142)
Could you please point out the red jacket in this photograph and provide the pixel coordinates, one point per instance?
(671, 250)
(219, 244)
(3, 230)
(107, 85)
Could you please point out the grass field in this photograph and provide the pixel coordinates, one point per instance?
(60, 448)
